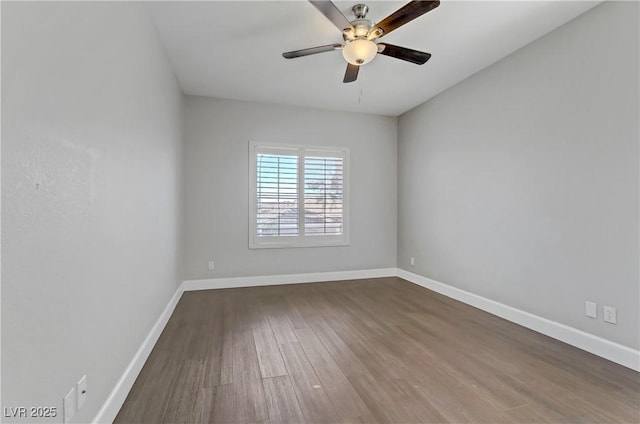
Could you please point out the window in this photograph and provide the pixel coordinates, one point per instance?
(298, 196)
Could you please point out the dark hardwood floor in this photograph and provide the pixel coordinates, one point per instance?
(366, 351)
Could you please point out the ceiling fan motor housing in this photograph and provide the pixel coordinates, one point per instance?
(360, 26)
(360, 29)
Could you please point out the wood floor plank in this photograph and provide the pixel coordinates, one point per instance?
(379, 400)
(269, 356)
(419, 407)
(344, 398)
(282, 402)
(366, 351)
(143, 411)
(313, 400)
(156, 379)
(242, 401)
(281, 325)
(297, 319)
(315, 308)
(245, 357)
(204, 406)
(533, 415)
(339, 350)
(226, 352)
(185, 403)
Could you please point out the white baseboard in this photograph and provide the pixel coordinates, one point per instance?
(118, 395)
(614, 352)
(272, 280)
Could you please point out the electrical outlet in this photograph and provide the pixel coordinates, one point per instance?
(610, 315)
(413, 261)
(81, 390)
(590, 309)
(69, 406)
(212, 265)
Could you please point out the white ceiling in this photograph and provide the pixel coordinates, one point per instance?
(233, 49)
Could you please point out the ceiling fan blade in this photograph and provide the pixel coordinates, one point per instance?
(406, 13)
(352, 73)
(328, 9)
(403, 53)
(312, 50)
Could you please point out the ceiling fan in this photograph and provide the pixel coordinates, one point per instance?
(360, 35)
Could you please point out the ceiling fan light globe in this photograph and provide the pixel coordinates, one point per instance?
(360, 51)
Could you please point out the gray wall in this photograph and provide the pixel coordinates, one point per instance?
(216, 187)
(91, 165)
(520, 184)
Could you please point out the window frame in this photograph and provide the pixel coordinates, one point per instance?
(302, 239)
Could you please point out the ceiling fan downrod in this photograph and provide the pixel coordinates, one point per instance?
(360, 10)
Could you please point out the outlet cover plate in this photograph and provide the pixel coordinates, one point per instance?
(69, 406)
(610, 315)
(81, 389)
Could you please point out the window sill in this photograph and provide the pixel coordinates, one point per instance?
(291, 245)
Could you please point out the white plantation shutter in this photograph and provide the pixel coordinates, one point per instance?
(298, 196)
(277, 195)
(323, 195)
